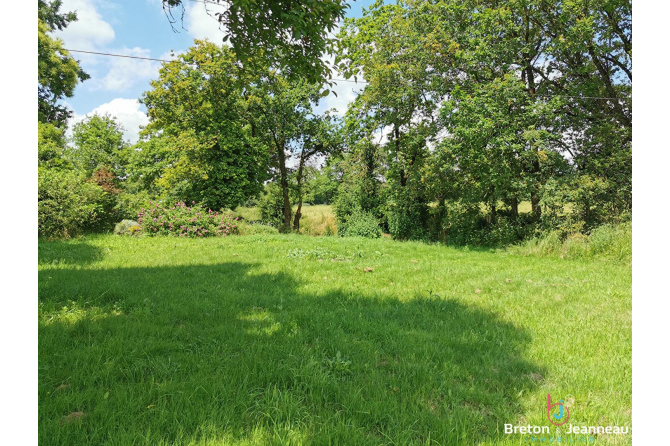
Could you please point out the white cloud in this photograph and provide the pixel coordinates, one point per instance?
(126, 112)
(346, 89)
(90, 31)
(125, 72)
(202, 23)
(346, 93)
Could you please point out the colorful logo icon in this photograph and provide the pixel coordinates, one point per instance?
(560, 418)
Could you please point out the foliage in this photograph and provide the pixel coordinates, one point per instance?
(272, 206)
(68, 205)
(50, 146)
(579, 203)
(527, 93)
(128, 204)
(97, 143)
(185, 221)
(321, 185)
(206, 149)
(359, 188)
(360, 224)
(500, 148)
(127, 227)
(282, 111)
(57, 72)
(292, 36)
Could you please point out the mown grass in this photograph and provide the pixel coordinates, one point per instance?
(287, 339)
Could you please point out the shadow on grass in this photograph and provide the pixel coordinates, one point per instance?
(192, 354)
(69, 252)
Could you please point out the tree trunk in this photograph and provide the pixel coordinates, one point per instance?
(298, 214)
(515, 207)
(396, 137)
(535, 205)
(283, 181)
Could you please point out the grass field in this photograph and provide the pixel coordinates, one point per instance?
(287, 339)
(315, 220)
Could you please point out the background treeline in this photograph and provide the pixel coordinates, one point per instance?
(479, 122)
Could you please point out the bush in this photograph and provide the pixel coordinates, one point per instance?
(128, 205)
(68, 205)
(127, 227)
(361, 224)
(272, 206)
(407, 223)
(186, 221)
(457, 224)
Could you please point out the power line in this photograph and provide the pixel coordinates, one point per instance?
(334, 79)
(124, 55)
(170, 61)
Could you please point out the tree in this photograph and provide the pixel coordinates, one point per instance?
(282, 111)
(210, 148)
(320, 136)
(97, 142)
(500, 148)
(292, 35)
(566, 67)
(51, 146)
(321, 184)
(398, 102)
(57, 72)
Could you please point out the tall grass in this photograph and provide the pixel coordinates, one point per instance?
(316, 220)
(613, 242)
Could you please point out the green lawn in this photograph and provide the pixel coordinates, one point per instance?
(287, 339)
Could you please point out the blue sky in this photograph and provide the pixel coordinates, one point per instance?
(140, 28)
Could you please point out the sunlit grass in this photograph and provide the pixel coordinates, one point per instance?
(286, 339)
(316, 219)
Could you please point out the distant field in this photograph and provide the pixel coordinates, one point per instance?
(287, 339)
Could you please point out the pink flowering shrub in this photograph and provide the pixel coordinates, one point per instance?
(181, 220)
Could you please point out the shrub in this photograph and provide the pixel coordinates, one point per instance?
(127, 227)
(186, 221)
(361, 224)
(272, 206)
(128, 205)
(406, 214)
(459, 224)
(109, 183)
(67, 205)
(407, 223)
